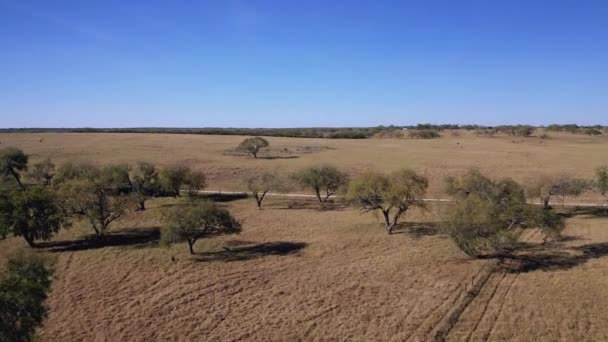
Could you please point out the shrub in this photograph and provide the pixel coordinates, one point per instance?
(601, 176)
(487, 215)
(424, 134)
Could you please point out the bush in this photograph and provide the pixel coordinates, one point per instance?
(487, 216)
(23, 290)
(424, 134)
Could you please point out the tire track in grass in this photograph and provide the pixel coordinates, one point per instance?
(489, 333)
(459, 293)
(445, 325)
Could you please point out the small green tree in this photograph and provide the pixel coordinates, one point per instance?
(75, 170)
(177, 177)
(32, 213)
(145, 181)
(43, 171)
(260, 184)
(197, 220)
(393, 195)
(487, 215)
(12, 162)
(253, 145)
(326, 179)
(23, 291)
(97, 198)
(601, 176)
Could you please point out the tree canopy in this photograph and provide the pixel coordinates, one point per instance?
(488, 215)
(391, 194)
(196, 220)
(253, 145)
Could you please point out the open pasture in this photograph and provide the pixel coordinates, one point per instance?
(299, 273)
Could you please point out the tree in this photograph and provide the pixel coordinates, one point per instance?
(32, 213)
(145, 181)
(12, 162)
(545, 187)
(570, 186)
(23, 290)
(174, 178)
(393, 195)
(601, 176)
(253, 145)
(260, 184)
(195, 181)
(76, 170)
(327, 179)
(488, 215)
(97, 197)
(197, 220)
(43, 171)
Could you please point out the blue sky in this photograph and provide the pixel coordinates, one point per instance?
(301, 63)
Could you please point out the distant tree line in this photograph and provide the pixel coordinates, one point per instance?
(324, 132)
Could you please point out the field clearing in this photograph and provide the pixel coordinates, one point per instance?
(307, 274)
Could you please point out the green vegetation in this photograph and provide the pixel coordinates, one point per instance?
(260, 185)
(12, 163)
(424, 134)
(23, 290)
(252, 146)
(400, 191)
(487, 216)
(601, 175)
(34, 213)
(197, 220)
(326, 179)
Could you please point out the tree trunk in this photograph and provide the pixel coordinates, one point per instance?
(191, 246)
(16, 175)
(142, 204)
(255, 155)
(546, 203)
(30, 241)
(387, 221)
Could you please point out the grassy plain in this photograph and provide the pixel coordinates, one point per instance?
(306, 274)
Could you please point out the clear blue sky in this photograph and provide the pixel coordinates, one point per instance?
(301, 63)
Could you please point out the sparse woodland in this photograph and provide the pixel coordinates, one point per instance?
(485, 217)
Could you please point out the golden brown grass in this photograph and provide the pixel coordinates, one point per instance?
(306, 274)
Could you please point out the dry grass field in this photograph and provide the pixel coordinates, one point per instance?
(307, 274)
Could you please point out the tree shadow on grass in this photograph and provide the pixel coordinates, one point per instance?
(417, 229)
(552, 260)
(138, 237)
(277, 157)
(588, 212)
(239, 253)
(223, 197)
